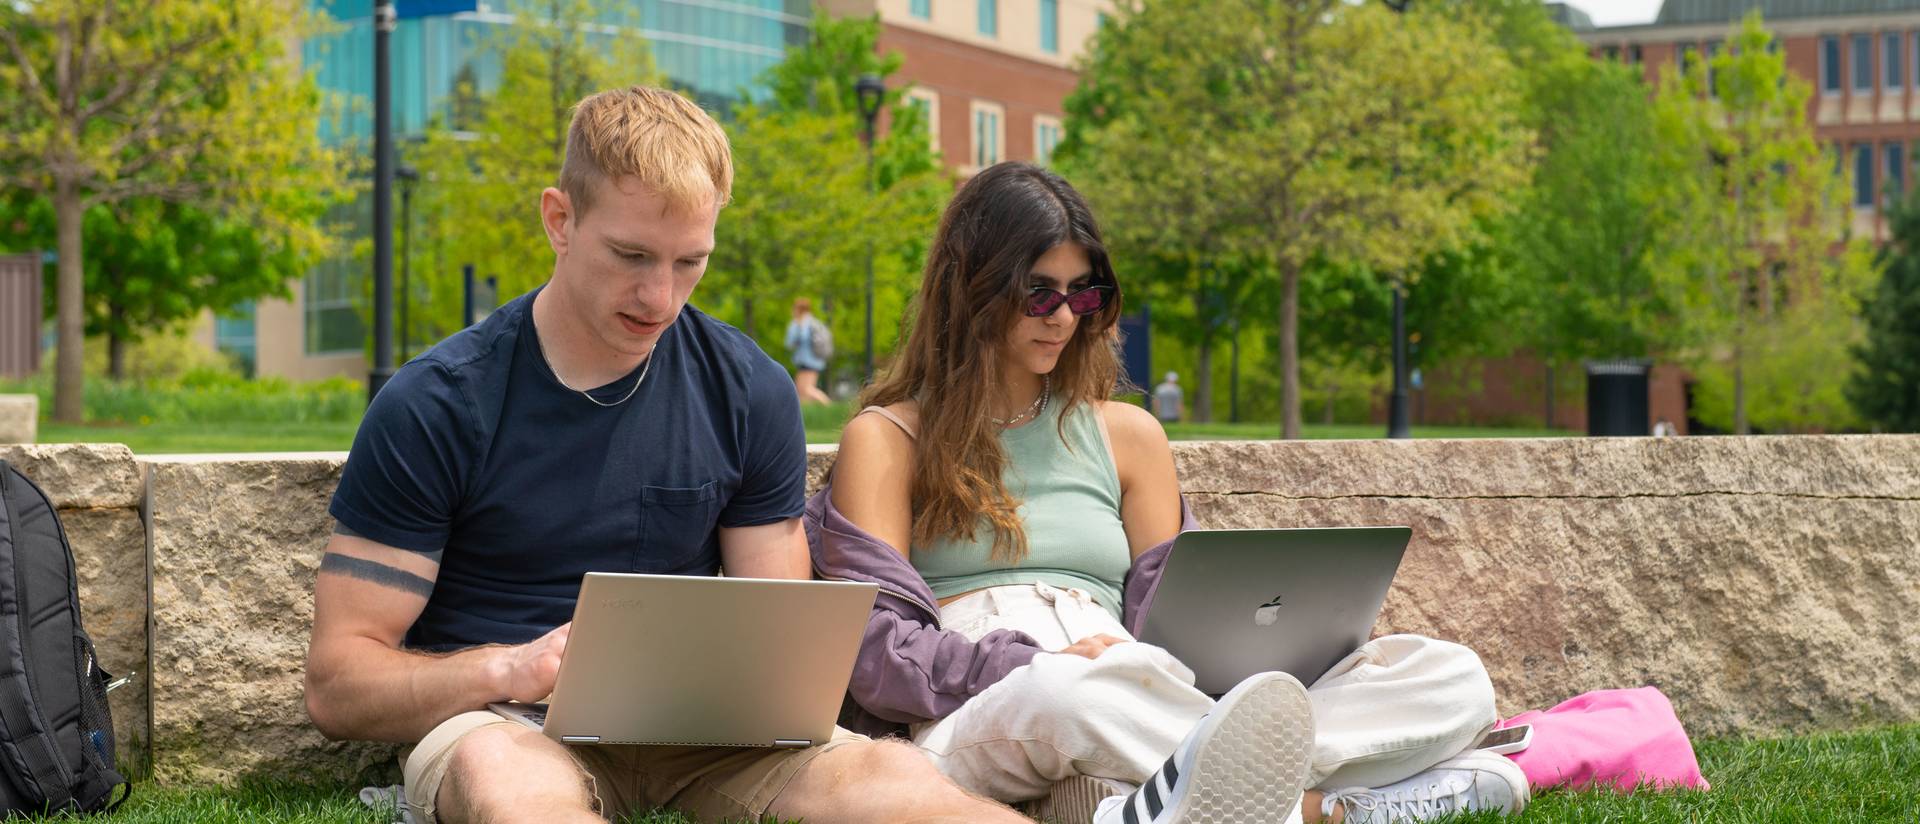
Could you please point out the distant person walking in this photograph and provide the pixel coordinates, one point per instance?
(1169, 403)
(809, 344)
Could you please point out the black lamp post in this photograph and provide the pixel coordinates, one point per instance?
(1397, 402)
(385, 19)
(407, 176)
(870, 90)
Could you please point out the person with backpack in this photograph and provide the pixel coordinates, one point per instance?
(809, 344)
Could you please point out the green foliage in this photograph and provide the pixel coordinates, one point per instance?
(152, 264)
(1886, 386)
(802, 220)
(186, 101)
(210, 397)
(1756, 207)
(478, 197)
(1589, 232)
(1336, 132)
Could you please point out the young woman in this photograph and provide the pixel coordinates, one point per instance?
(1016, 518)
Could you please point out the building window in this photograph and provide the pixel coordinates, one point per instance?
(1894, 59)
(987, 134)
(927, 102)
(1046, 137)
(922, 9)
(1633, 54)
(1686, 57)
(233, 335)
(1829, 64)
(990, 17)
(1612, 53)
(1050, 26)
(1862, 64)
(1863, 175)
(1896, 172)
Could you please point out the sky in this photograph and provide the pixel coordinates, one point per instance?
(1618, 12)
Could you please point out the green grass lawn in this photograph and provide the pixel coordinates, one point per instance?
(333, 436)
(1867, 776)
(235, 436)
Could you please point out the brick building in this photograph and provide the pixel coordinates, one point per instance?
(1862, 58)
(990, 74)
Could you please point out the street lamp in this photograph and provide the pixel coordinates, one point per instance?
(385, 19)
(1397, 402)
(407, 176)
(870, 90)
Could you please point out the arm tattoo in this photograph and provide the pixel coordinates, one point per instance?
(375, 572)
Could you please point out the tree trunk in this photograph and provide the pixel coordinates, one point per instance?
(116, 342)
(1739, 394)
(1549, 422)
(70, 316)
(1203, 384)
(116, 356)
(1290, 351)
(1233, 376)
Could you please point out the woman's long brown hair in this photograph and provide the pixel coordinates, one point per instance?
(976, 282)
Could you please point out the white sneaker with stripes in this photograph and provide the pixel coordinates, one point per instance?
(1473, 780)
(1244, 763)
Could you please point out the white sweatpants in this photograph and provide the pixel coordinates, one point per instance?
(1396, 706)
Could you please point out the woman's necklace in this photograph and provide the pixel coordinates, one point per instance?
(644, 369)
(1039, 403)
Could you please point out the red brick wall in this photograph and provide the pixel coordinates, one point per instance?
(1512, 391)
(961, 73)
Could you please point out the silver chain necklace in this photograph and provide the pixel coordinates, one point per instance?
(644, 369)
(1039, 403)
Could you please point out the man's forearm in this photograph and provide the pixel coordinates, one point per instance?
(367, 691)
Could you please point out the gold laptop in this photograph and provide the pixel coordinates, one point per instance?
(685, 660)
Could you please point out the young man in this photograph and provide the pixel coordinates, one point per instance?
(598, 423)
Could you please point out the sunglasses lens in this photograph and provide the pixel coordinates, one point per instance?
(1087, 301)
(1043, 302)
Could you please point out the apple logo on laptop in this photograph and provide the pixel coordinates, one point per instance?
(1268, 612)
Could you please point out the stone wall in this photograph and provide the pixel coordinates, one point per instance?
(236, 544)
(96, 492)
(1766, 584)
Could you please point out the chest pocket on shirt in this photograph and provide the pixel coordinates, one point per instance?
(676, 524)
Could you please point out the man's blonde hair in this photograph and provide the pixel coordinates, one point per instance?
(658, 138)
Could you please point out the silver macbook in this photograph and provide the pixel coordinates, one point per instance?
(1233, 602)
(676, 659)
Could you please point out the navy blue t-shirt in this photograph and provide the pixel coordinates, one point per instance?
(475, 448)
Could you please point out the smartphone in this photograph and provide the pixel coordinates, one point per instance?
(1509, 740)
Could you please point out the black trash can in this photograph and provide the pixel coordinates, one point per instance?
(1617, 398)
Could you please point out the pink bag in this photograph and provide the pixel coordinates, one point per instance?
(1619, 738)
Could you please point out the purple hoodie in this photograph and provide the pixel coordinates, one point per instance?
(909, 669)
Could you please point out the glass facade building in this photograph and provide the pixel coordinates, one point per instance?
(713, 49)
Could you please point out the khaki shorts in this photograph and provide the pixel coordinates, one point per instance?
(706, 783)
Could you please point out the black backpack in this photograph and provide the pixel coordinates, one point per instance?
(56, 736)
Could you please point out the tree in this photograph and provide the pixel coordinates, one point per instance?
(152, 264)
(482, 174)
(802, 217)
(186, 101)
(1335, 131)
(1885, 387)
(1758, 211)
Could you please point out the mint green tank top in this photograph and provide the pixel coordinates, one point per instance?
(1069, 494)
